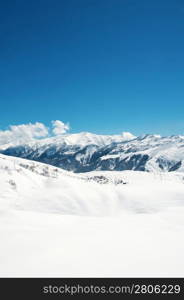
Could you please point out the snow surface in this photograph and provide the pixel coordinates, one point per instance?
(56, 223)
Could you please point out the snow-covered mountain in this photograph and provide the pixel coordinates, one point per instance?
(81, 139)
(86, 152)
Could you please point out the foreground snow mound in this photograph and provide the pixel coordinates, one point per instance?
(27, 185)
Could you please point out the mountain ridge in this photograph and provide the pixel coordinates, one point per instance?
(84, 152)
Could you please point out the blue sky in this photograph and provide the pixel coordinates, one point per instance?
(104, 66)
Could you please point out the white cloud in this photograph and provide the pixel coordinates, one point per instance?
(27, 132)
(59, 127)
(23, 133)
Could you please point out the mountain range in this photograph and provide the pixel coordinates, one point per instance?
(84, 152)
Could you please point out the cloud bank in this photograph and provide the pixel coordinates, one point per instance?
(27, 132)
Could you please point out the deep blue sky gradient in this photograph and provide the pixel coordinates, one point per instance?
(105, 66)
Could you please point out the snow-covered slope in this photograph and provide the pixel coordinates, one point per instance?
(86, 152)
(35, 186)
(57, 223)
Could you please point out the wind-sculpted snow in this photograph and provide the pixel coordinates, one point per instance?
(86, 152)
(54, 223)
